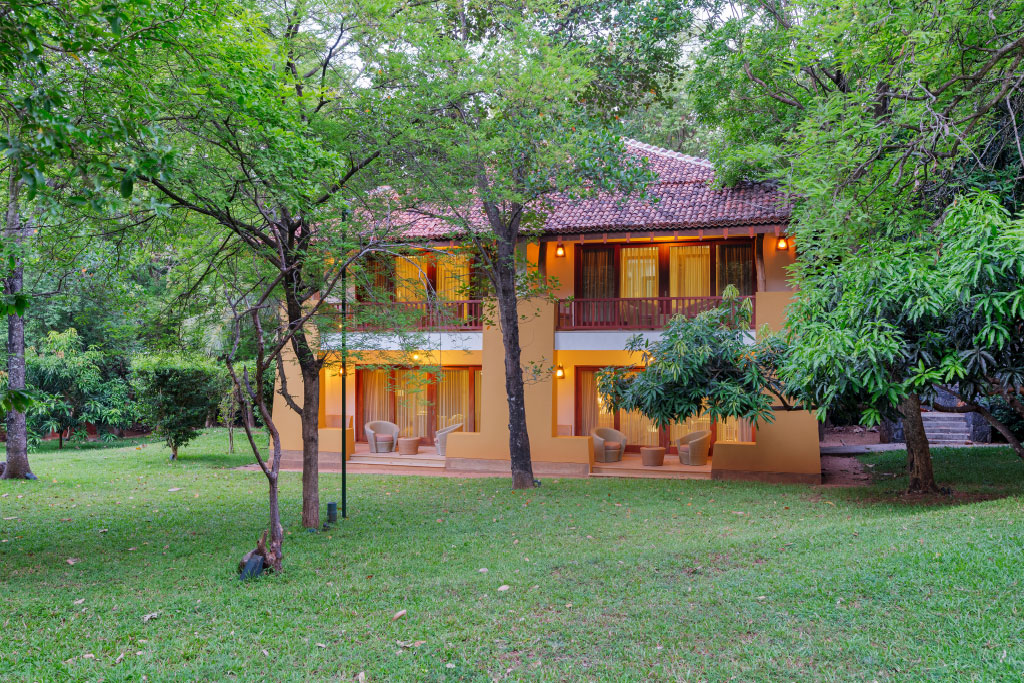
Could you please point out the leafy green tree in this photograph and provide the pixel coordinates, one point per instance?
(281, 132)
(704, 365)
(526, 98)
(62, 133)
(176, 394)
(875, 118)
(74, 390)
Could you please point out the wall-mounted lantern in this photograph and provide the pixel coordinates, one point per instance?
(560, 372)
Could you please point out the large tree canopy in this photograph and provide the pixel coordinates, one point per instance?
(875, 117)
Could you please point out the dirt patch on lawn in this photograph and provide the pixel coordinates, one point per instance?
(843, 471)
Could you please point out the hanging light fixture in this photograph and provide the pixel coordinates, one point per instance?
(560, 372)
(560, 249)
(782, 244)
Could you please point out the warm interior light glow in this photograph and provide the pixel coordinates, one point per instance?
(560, 372)
(416, 357)
(559, 250)
(782, 244)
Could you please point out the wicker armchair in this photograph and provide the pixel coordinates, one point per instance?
(441, 437)
(693, 448)
(609, 444)
(381, 436)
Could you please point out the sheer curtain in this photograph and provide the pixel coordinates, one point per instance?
(374, 386)
(695, 423)
(734, 430)
(689, 270)
(478, 386)
(639, 272)
(410, 275)
(592, 410)
(453, 398)
(639, 430)
(452, 277)
(411, 404)
(736, 267)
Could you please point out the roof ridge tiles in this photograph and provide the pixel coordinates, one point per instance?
(630, 142)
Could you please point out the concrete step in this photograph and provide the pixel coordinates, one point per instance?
(647, 473)
(419, 460)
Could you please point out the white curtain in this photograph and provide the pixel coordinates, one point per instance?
(453, 398)
(733, 430)
(593, 412)
(411, 404)
(374, 385)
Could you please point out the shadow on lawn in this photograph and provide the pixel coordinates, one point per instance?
(970, 474)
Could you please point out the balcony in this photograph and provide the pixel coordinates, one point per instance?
(651, 313)
(420, 315)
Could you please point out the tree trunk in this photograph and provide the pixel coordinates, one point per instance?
(508, 314)
(272, 554)
(231, 438)
(311, 449)
(174, 451)
(309, 366)
(17, 429)
(919, 455)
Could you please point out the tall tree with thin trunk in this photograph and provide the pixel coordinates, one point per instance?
(528, 97)
(280, 135)
(17, 466)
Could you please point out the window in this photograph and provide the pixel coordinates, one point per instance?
(639, 430)
(418, 402)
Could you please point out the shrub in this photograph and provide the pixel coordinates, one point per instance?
(176, 394)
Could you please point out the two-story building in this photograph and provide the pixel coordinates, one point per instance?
(618, 268)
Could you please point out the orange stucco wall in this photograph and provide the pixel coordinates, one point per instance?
(537, 337)
(789, 446)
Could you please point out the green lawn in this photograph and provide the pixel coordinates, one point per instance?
(619, 580)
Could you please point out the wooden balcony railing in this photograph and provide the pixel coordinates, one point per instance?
(632, 314)
(421, 315)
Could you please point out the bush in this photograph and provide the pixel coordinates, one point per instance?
(74, 388)
(1004, 412)
(176, 394)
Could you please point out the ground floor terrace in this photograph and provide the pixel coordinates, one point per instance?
(447, 408)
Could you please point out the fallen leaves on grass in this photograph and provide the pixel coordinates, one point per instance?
(398, 615)
(73, 561)
(149, 617)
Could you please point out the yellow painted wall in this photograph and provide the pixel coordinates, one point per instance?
(787, 446)
(775, 263)
(770, 309)
(537, 339)
(566, 388)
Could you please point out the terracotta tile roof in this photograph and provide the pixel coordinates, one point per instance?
(686, 200)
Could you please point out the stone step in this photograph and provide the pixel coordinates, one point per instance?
(420, 460)
(943, 416)
(648, 473)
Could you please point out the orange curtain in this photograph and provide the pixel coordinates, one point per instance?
(478, 386)
(453, 277)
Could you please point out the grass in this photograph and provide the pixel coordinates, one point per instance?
(618, 580)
